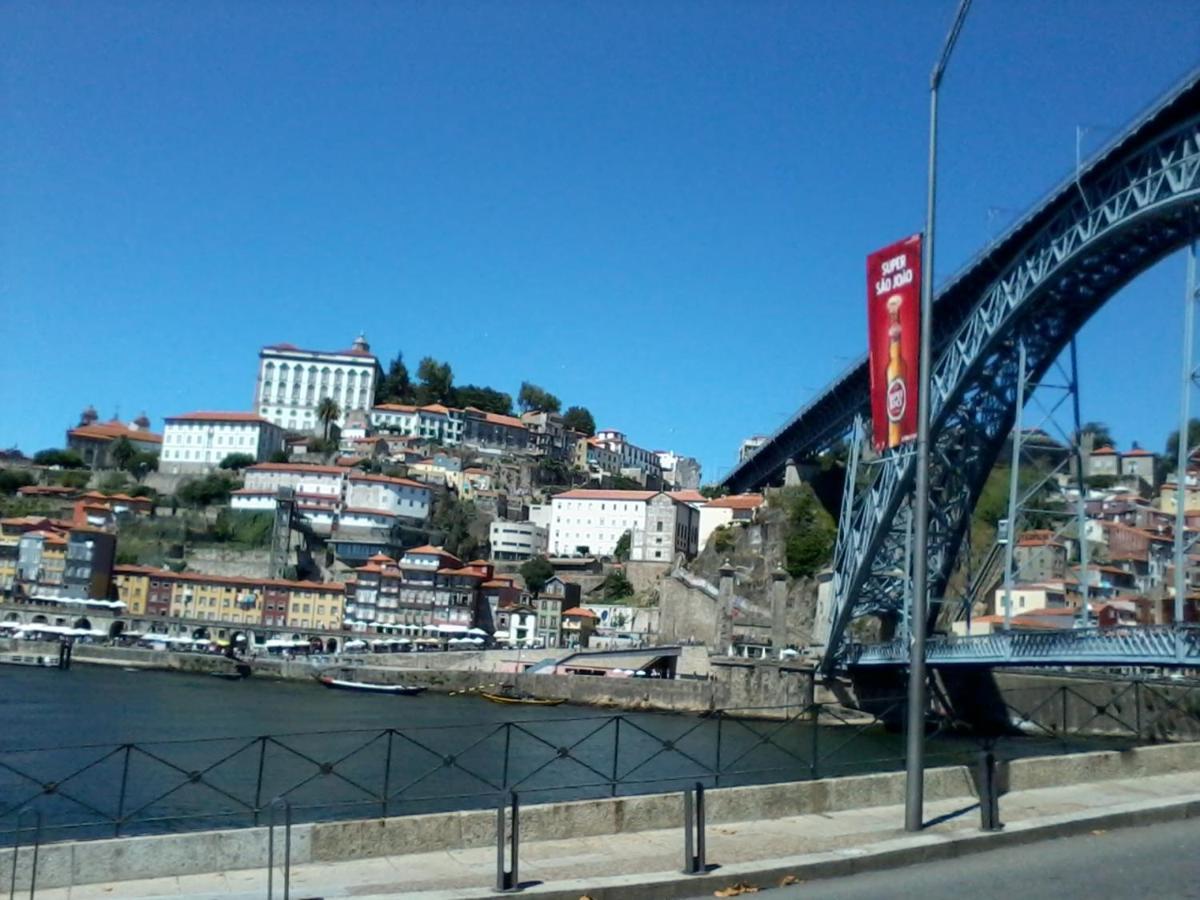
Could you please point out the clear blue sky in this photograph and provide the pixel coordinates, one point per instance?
(659, 210)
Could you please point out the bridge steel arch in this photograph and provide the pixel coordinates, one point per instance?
(1136, 203)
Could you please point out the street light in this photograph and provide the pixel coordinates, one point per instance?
(914, 798)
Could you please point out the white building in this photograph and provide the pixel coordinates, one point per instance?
(679, 472)
(591, 522)
(750, 446)
(724, 510)
(517, 540)
(199, 441)
(431, 423)
(632, 456)
(381, 495)
(292, 382)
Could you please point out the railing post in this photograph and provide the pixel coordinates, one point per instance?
(121, 797)
(507, 744)
(1137, 708)
(508, 878)
(258, 783)
(1063, 689)
(717, 776)
(387, 773)
(16, 853)
(693, 831)
(814, 742)
(616, 754)
(287, 848)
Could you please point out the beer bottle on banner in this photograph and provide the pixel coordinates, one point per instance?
(897, 380)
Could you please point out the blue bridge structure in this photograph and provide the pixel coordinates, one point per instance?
(1131, 205)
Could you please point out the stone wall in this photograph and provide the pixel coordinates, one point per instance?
(229, 562)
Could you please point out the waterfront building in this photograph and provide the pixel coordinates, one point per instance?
(292, 383)
(197, 442)
(517, 540)
(88, 565)
(555, 596)
(577, 627)
(244, 601)
(722, 511)
(133, 587)
(93, 440)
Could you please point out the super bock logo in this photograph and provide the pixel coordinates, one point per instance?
(897, 400)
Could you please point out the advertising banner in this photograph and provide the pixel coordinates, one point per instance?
(893, 325)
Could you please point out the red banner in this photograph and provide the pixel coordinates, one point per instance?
(893, 325)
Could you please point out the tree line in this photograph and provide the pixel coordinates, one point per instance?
(435, 384)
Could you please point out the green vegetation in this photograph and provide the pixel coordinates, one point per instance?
(1101, 435)
(395, 386)
(811, 530)
(1172, 449)
(74, 478)
(327, 413)
(536, 572)
(615, 586)
(436, 382)
(279, 456)
(113, 483)
(484, 398)
(621, 551)
(625, 483)
(207, 491)
(531, 398)
(713, 491)
(12, 480)
(64, 459)
(577, 418)
(237, 461)
(723, 539)
(453, 519)
(122, 453)
(553, 472)
(247, 529)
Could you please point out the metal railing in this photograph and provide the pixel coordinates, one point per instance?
(152, 787)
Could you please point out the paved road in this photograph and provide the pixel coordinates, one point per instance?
(1158, 861)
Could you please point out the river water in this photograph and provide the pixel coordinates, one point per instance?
(100, 751)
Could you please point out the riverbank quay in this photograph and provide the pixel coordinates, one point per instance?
(767, 692)
(755, 835)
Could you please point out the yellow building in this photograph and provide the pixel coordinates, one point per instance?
(216, 598)
(133, 587)
(312, 605)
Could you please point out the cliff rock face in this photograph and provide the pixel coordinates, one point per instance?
(689, 597)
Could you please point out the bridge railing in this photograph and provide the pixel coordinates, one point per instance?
(1153, 645)
(94, 791)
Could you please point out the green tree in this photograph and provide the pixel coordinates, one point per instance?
(453, 518)
(327, 413)
(12, 480)
(621, 551)
(279, 456)
(615, 586)
(63, 459)
(122, 453)
(1101, 434)
(73, 478)
(531, 397)
(207, 491)
(143, 464)
(237, 461)
(625, 483)
(713, 491)
(536, 572)
(811, 531)
(1172, 450)
(437, 382)
(577, 418)
(113, 483)
(723, 539)
(395, 386)
(484, 398)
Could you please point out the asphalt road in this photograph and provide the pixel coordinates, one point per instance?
(1160, 861)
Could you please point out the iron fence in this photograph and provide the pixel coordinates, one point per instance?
(95, 791)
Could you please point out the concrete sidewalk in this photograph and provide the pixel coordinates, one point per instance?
(646, 864)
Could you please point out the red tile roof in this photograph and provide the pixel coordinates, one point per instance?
(736, 501)
(386, 479)
(303, 468)
(110, 431)
(579, 612)
(363, 511)
(1105, 451)
(588, 494)
(1137, 451)
(688, 496)
(395, 407)
(253, 418)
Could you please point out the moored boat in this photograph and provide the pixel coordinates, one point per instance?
(525, 699)
(344, 685)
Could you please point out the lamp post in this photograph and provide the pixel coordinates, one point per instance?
(914, 798)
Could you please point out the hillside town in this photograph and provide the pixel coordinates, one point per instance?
(334, 516)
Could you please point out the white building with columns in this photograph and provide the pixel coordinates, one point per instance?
(293, 382)
(198, 441)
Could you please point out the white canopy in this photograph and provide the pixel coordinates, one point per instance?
(452, 629)
(478, 631)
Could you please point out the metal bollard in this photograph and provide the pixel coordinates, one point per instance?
(693, 831)
(277, 804)
(37, 843)
(507, 879)
(989, 793)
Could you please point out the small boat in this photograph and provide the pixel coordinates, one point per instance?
(525, 699)
(343, 685)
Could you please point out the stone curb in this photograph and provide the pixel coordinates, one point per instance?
(892, 854)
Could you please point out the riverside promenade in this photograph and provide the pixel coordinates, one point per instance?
(761, 836)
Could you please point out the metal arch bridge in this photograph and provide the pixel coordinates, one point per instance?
(1134, 203)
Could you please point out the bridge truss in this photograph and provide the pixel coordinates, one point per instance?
(1134, 204)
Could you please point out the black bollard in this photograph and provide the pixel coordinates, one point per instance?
(989, 793)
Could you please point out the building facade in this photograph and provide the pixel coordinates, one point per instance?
(199, 441)
(94, 440)
(517, 540)
(292, 383)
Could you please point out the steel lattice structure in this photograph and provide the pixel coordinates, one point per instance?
(1137, 202)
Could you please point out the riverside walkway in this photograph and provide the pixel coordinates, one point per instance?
(762, 850)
